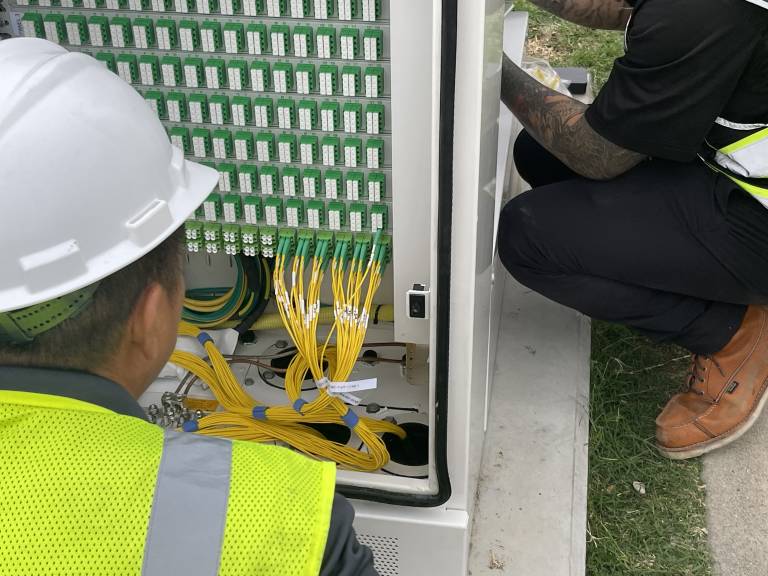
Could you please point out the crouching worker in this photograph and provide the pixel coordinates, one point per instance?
(91, 289)
(648, 207)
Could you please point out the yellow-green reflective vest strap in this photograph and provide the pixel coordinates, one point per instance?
(751, 188)
(34, 400)
(744, 142)
(189, 509)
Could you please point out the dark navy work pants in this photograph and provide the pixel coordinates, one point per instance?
(670, 249)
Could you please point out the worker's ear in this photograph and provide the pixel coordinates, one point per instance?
(153, 324)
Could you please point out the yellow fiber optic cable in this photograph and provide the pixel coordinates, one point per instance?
(354, 284)
(241, 425)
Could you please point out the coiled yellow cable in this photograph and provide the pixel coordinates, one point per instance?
(354, 285)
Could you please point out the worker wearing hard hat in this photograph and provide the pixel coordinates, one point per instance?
(93, 196)
(649, 206)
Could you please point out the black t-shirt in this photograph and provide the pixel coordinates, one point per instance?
(687, 63)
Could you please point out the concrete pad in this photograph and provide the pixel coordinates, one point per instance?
(531, 513)
(737, 504)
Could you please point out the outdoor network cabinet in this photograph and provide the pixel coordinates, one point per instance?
(342, 117)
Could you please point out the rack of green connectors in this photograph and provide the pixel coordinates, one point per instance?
(287, 99)
(231, 239)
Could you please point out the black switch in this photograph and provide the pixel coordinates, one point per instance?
(418, 302)
(417, 305)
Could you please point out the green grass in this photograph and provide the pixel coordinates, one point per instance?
(664, 531)
(565, 44)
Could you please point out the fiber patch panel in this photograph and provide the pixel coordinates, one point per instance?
(289, 101)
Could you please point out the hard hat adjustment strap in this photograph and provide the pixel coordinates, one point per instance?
(10, 331)
(22, 326)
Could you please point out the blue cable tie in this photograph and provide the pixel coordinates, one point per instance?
(351, 419)
(190, 426)
(259, 412)
(299, 405)
(203, 338)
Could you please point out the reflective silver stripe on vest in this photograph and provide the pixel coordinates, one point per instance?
(189, 510)
(738, 126)
(761, 3)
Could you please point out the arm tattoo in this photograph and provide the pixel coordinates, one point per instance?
(607, 14)
(557, 122)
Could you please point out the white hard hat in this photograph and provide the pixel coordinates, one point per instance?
(89, 181)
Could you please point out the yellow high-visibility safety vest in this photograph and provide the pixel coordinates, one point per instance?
(86, 491)
(745, 161)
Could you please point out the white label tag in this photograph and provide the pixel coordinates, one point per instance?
(342, 390)
(350, 398)
(357, 386)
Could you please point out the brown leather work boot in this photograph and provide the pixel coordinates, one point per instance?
(725, 397)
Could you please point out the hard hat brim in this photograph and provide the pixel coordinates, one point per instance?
(90, 177)
(200, 181)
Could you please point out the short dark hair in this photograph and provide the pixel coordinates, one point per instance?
(89, 340)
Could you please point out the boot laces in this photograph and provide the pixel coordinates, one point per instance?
(699, 366)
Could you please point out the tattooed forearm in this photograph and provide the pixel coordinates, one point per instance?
(607, 14)
(557, 122)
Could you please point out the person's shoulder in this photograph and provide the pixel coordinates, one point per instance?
(664, 29)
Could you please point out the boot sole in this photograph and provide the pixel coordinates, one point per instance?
(704, 447)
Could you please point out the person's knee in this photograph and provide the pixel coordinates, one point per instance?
(517, 240)
(536, 165)
(525, 149)
(527, 154)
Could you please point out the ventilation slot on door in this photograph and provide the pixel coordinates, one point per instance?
(386, 552)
